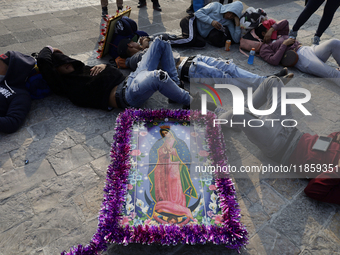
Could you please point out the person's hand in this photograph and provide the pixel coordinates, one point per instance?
(57, 50)
(216, 24)
(97, 69)
(289, 41)
(145, 42)
(142, 39)
(268, 36)
(237, 21)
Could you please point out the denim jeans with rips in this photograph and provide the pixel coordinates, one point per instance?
(146, 80)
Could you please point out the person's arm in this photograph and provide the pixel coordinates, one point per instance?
(282, 27)
(45, 66)
(16, 113)
(203, 13)
(268, 36)
(274, 57)
(132, 62)
(235, 30)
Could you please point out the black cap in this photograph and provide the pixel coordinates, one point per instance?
(5, 58)
(122, 48)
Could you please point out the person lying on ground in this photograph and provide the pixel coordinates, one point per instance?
(214, 23)
(215, 20)
(312, 59)
(15, 101)
(210, 69)
(105, 87)
(287, 145)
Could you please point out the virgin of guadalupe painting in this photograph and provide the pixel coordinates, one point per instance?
(171, 187)
(164, 186)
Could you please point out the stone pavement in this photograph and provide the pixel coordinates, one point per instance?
(51, 203)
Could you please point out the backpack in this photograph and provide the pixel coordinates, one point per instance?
(251, 18)
(124, 28)
(250, 40)
(198, 4)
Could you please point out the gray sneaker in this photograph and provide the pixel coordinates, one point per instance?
(292, 34)
(316, 40)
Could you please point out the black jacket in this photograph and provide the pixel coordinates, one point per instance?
(15, 101)
(79, 86)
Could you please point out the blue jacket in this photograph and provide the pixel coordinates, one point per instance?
(215, 11)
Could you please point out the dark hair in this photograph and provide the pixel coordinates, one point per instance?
(164, 128)
(258, 31)
(172, 217)
(122, 48)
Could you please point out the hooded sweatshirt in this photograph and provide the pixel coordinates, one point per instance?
(79, 86)
(15, 101)
(273, 52)
(215, 11)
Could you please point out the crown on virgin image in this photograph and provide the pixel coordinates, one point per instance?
(165, 127)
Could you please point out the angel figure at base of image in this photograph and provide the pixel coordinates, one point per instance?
(171, 187)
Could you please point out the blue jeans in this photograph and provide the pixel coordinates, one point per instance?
(146, 80)
(220, 71)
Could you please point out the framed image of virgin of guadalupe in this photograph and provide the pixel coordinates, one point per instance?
(159, 189)
(108, 30)
(168, 188)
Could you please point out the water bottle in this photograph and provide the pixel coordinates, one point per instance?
(251, 56)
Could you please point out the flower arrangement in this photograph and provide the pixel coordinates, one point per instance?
(114, 227)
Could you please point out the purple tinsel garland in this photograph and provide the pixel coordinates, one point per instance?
(233, 234)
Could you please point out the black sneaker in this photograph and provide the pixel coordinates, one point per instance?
(141, 4)
(104, 11)
(282, 73)
(156, 5)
